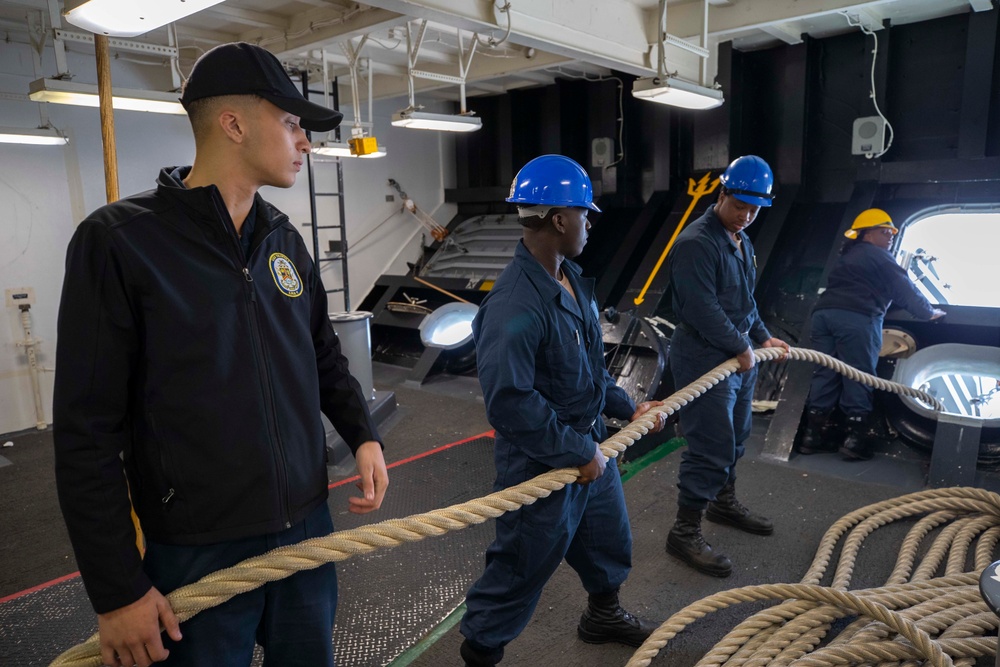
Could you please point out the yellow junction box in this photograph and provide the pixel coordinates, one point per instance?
(363, 145)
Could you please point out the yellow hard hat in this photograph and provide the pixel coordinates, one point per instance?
(873, 217)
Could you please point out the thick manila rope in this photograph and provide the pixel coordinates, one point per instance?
(220, 586)
(914, 619)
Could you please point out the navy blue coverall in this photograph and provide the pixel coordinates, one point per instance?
(541, 366)
(847, 322)
(711, 288)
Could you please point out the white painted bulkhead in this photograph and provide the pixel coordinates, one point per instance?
(45, 191)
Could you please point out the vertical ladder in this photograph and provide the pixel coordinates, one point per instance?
(338, 248)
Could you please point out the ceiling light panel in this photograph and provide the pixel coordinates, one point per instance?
(129, 18)
(41, 136)
(420, 120)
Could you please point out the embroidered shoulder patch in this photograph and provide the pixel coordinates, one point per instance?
(285, 276)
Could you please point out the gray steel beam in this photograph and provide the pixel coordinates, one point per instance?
(612, 33)
(977, 85)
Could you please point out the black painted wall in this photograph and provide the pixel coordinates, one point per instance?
(794, 105)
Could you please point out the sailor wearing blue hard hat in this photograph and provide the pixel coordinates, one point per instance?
(541, 365)
(712, 270)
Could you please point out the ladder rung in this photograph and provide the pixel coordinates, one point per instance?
(327, 226)
(336, 289)
(327, 194)
(331, 259)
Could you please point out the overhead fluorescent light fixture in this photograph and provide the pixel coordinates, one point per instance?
(129, 18)
(41, 136)
(420, 120)
(676, 92)
(59, 91)
(337, 149)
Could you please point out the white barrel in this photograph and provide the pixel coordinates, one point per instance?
(354, 333)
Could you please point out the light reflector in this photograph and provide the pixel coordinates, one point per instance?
(448, 327)
(129, 18)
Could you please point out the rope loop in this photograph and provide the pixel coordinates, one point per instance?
(220, 586)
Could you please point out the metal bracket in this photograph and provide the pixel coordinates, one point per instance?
(685, 45)
(55, 18)
(413, 44)
(353, 54)
(434, 76)
(115, 43)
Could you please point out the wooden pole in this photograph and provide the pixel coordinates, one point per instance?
(107, 117)
(439, 289)
(111, 177)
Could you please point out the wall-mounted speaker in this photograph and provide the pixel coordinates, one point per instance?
(868, 136)
(602, 151)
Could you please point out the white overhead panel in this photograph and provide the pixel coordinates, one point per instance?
(981, 5)
(249, 18)
(611, 33)
(785, 33)
(326, 25)
(503, 73)
(685, 19)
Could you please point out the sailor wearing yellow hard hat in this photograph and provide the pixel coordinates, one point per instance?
(874, 221)
(847, 324)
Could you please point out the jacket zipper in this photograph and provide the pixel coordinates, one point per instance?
(257, 339)
(164, 464)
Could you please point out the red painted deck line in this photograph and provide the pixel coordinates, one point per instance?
(486, 434)
(59, 580)
(39, 587)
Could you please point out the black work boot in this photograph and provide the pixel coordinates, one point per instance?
(727, 509)
(605, 621)
(860, 442)
(686, 542)
(478, 657)
(815, 436)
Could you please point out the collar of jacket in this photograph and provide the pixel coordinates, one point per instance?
(206, 202)
(548, 288)
(870, 248)
(721, 234)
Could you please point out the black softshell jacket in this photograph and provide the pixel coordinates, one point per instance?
(205, 371)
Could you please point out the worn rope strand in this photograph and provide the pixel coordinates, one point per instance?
(218, 587)
(944, 618)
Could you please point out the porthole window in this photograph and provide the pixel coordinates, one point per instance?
(952, 256)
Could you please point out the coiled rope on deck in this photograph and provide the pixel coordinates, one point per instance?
(914, 619)
(252, 573)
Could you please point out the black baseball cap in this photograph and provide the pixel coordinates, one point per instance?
(240, 68)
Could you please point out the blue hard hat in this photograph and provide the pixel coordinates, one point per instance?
(552, 180)
(749, 179)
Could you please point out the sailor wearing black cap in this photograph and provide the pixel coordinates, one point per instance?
(195, 356)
